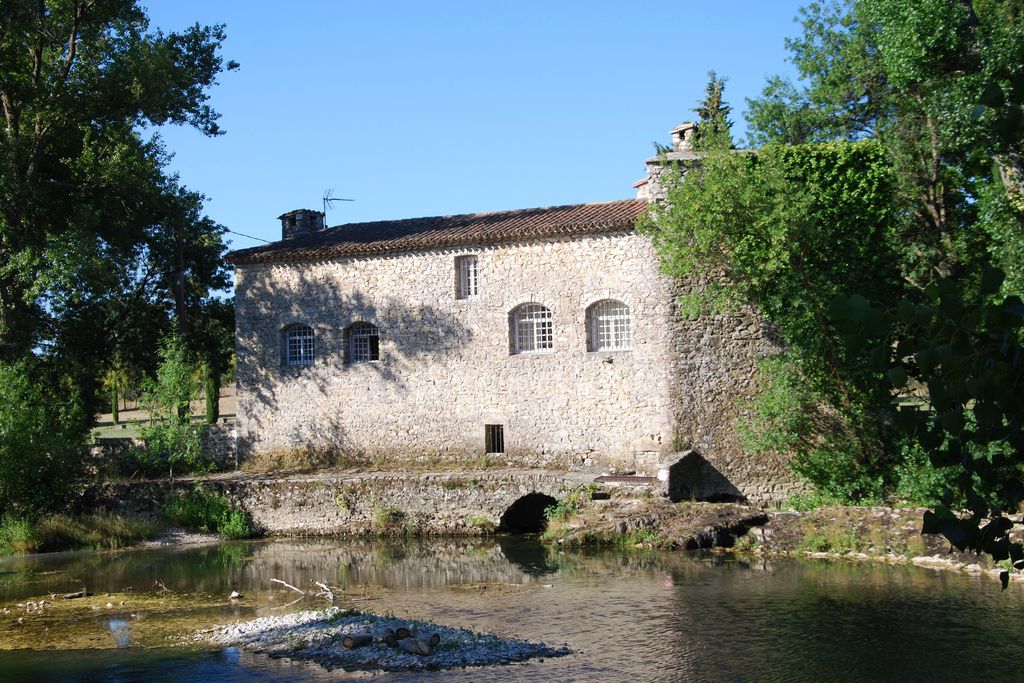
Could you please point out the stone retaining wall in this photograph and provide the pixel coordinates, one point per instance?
(355, 503)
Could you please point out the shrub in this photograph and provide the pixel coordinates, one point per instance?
(17, 536)
(386, 517)
(573, 501)
(43, 432)
(171, 437)
(204, 511)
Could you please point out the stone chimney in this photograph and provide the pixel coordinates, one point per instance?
(681, 156)
(301, 222)
(682, 137)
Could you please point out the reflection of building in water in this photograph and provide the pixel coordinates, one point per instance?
(395, 564)
(120, 631)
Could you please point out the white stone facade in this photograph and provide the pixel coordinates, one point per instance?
(446, 365)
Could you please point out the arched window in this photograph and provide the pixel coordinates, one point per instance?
(297, 345)
(362, 343)
(609, 326)
(530, 329)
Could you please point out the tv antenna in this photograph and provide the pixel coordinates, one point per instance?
(329, 200)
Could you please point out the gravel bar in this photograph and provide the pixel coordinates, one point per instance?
(316, 636)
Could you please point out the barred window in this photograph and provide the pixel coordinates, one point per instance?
(609, 326)
(363, 343)
(469, 278)
(530, 327)
(298, 345)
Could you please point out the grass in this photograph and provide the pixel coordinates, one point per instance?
(204, 511)
(99, 531)
(388, 518)
(482, 523)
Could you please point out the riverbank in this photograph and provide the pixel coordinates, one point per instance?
(876, 534)
(879, 534)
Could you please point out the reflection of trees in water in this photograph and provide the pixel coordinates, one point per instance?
(203, 569)
(529, 554)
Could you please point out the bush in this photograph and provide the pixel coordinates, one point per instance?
(829, 448)
(204, 511)
(43, 433)
(16, 536)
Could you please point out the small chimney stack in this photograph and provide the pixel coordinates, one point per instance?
(681, 156)
(301, 222)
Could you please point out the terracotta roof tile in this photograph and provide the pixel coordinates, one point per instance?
(411, 234)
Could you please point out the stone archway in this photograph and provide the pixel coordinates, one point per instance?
(526, 514)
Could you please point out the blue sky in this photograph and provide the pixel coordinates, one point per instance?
(432, 108)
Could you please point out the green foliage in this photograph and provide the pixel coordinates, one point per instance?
(570, 504)
(713, 124)
(788, 229)
(171, 437)
(964, 345)
(812, 500)
(43, 432)
(387, 517)
(88, 214)
(16, 536)
(941, 84)
(204, 511)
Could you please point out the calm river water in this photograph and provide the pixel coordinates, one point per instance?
(628, 615)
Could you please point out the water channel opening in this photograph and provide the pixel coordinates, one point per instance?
(526, 515)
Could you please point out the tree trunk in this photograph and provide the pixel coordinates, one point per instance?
(114, 403)
(356, 640)
(386, 635)
(414, 646)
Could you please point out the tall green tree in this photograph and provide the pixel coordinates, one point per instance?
(713, 124)
(939, 82)
(82, 191)
(938, 86)
(100, 247)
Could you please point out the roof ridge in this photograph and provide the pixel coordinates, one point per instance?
(426, 232)
(484, 214)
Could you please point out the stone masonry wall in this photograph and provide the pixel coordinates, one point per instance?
(353, 503)
(446, 369)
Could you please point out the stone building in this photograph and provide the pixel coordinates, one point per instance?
(538, 337)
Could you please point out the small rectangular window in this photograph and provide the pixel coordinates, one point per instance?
(469, 278)
(494, 438)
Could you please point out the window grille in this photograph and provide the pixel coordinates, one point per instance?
(609, 324)
(531, 329)
(298, 348)
(494, 438)
(363, 343)
(469, 277)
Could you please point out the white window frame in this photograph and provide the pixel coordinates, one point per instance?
(359, 345)
(299, 345)
(609, 326)
(468, 271)
(532, 329)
